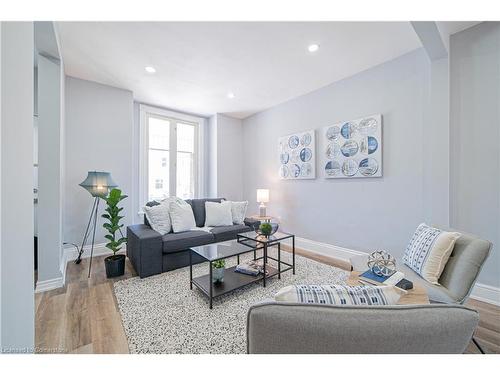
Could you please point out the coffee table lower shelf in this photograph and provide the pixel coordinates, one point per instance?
(232, 281)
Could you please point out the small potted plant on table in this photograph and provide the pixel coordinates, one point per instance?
(218, 271)
(115, 264)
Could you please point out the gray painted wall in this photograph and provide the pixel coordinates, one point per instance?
(16, 187)
(99, 136)
(225, 173)
(361, 214)
(229, 158)
(475, 138)
(50, 177)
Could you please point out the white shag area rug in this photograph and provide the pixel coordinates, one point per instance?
(160, 314)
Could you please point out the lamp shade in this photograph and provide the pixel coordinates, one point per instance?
(263, 195)
(98, 184)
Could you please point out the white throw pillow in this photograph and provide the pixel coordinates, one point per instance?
(158, 217)
(218, 214)
(339, 294)
(429, 250)
(181, 216)
(238, 211)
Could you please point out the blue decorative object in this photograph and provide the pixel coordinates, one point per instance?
(293, 141)
(348, 130)
(305, 154)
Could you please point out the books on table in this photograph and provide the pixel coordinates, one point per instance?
(397, 279)
(251, 267)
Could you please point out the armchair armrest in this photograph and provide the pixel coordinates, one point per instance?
(144, 249)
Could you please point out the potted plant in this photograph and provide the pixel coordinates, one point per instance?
(218, 271)
(115, 264)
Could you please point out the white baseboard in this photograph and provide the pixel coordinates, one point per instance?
(486, 293)
(321, 248)
(71, 252)
(43, 286)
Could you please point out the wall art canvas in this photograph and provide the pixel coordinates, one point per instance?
(353, 149)
(297, 156)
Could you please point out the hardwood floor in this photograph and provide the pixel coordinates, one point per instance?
(83, 316)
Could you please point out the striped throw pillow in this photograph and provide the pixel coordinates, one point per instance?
(429, 250)
(339, 294)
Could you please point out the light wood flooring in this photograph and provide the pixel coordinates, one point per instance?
(83, 316)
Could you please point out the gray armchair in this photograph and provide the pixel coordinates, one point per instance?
(459, 274)
(280, 328)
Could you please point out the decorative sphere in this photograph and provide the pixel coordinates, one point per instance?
(382, 263)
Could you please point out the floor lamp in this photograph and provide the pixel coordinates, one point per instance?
(98, 184)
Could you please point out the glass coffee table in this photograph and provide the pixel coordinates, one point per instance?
(234, 280)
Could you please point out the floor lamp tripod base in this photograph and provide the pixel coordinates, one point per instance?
(91, 226)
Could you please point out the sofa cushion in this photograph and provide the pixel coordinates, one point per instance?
(229, 232)
(198, 206)
(184, 240)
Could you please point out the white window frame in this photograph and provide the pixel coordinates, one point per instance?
(146, 111)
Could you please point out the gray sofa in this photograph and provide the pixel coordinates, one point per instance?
(281, 328)
(151, 253)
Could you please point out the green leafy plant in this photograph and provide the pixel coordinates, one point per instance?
(116, 240)
(219, 263)
(266, 228)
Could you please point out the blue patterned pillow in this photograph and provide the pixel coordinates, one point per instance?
(339, 294)
(429, 250)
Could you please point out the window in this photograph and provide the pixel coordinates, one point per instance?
(170, 155)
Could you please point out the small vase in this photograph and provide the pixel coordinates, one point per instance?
(217, 275)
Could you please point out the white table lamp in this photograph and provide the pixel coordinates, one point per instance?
(262, 197)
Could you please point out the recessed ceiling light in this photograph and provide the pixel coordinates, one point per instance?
(230, 95)
(313, 47)
(150, 69)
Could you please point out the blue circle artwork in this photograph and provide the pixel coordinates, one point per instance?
(368, 167)
(348, 130)
(305, 154)
(293, 141)
(284, 157)
(295, 170)
(332, 168)
(350, 148)
(284, 171)
(372, 145)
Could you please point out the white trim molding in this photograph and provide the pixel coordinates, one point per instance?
(486, 293)
(333, 251)
(43, 286)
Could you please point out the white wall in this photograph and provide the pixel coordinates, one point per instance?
(50, 178)
(475, 138)
(359, 214)
(16, 189)
(225, 173)
(99, 136)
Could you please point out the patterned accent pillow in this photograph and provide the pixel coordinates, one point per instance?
(340, 294)
(428, 251)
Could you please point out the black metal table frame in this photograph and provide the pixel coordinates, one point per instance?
(245, 241)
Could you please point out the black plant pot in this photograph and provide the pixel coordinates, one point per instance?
(115, 265)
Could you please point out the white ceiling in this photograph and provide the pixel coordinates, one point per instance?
(198, 63)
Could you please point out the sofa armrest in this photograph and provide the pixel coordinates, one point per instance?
(251, 222)
(144, 249)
